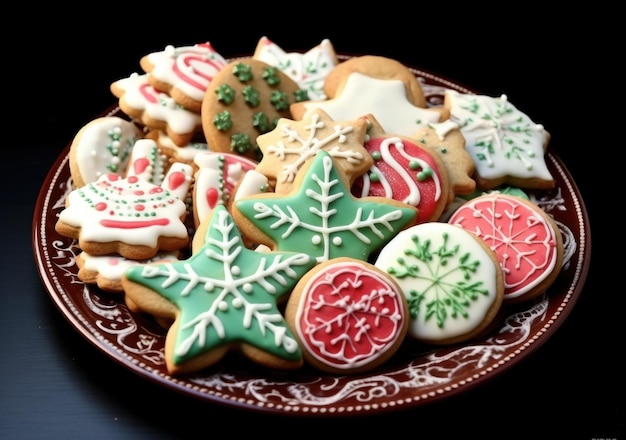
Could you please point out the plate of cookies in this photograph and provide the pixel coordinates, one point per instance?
(309, 232)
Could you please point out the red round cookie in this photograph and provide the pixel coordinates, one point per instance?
(526, 240)
(405, 171)
(348, 315)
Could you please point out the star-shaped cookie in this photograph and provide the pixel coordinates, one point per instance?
(321, 217)
(224, 297)
(385, 99)
(288, 146)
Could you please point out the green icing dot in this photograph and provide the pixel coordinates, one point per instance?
(240, 143)
(376, 155)
(301, 95)
(243, 72)
(261, 122)
(374, 177)
(251, 96)
(270, 75)
(222, 121)
(424, 174)
(279, 100)
(225, 94)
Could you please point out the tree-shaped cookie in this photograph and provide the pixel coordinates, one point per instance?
(224, 297)
(321, 217)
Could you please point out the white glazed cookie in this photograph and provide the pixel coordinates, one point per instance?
(183, 72)
(156, 110)
(308, 69)
(507, 147)
(100, 147)
(130, 216)
(451, 279)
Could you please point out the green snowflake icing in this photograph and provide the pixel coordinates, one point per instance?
(227, 293)
(450, 294)
(323, 219)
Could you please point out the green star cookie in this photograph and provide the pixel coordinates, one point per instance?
(224, 297)
(321, 217)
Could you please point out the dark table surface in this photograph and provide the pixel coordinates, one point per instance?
(55, 384)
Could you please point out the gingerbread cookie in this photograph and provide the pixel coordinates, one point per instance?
(225, 298)
(320, 216)
(156, 110)
(215, 180)
(106, 271)
(348, 316)
(100, 147)
(183, 72)
(308, 69)
(451, 279)
(507, 147)
(526, 240)
(385, 99)
(130, 216)
(449, 143)
(244, 100)
(288, 146)
(405, 171)
(379, 67)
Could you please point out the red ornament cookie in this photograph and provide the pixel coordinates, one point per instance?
(526, 240)
(347, 315)
(405, 171)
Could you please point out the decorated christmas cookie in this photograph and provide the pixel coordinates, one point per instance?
(348, 316)
(130, 216)
(156, 110)
(287, 147)
(320, 216)
(184, 72)
(526, 240)
(177, 153)
(215, 180)
(244, 100)
(106, 270)
(100, 147)
(506, 145)
(308, 69)
(452, 281)
(385, 99)
(224, 297)
(404, 170)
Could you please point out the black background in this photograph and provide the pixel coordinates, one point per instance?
(58, 65)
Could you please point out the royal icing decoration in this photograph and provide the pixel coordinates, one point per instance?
(103, 146)
(403, 171)
(308, 70)
(448, 278)
(156, 109)
(132, 209)
(217, 175)
(188, 69)
(292, 143)
(226, 295)
(502, 140)
(349, 315)
(322, 218)
(523, 240)
(386, 100)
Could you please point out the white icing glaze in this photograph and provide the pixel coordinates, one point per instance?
(435, 280)
(502, 140)
(308, 70)
(158, 106)
(385, 99)
(104, 146)
(188, 68)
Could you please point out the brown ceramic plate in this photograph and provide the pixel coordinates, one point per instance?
(417, 375)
